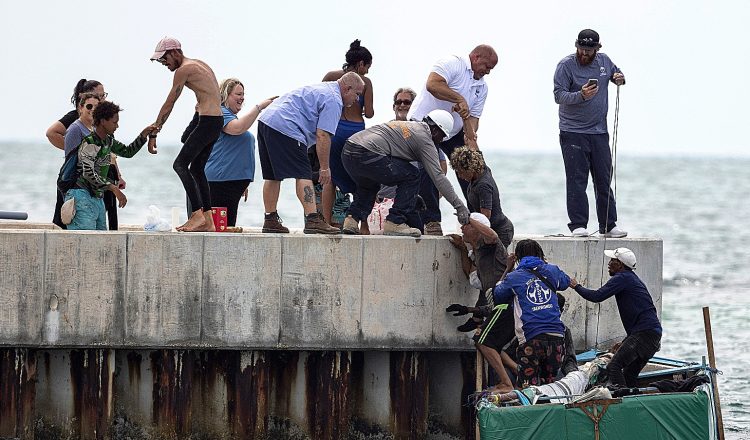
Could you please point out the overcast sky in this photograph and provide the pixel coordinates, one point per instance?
(684, 60)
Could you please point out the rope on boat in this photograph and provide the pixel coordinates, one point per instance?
(612, 180)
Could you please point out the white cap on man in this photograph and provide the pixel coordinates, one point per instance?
(165, 44)
(624, 255)
(481, 218)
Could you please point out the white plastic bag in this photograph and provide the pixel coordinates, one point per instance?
(154, 222)
(376, 219)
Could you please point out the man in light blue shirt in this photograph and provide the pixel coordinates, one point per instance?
(293, 123)
(581, 81)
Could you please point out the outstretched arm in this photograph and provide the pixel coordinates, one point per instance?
(243, 123)
(471, 125)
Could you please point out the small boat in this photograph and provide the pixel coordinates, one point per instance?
(645, 414)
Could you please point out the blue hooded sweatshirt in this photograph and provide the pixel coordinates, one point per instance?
(534, 304)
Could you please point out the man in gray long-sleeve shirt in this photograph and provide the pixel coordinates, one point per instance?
(382, 155)
(583, 132)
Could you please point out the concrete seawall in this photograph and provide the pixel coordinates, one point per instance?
(89, 289)
(166, 335)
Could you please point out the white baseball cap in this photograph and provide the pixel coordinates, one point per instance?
(481, 218)
(625, 255)
(165, 44)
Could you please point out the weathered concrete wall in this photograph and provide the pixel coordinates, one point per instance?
(160, 335)
(102, 393)
(246, 291)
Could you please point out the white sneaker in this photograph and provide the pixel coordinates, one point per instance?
(616, 233)
(580, 232)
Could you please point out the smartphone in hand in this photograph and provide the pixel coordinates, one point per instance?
(592, 81)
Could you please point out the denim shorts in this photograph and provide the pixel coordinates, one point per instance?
(90, 213)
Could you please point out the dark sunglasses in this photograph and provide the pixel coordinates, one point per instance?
(402, 102)
(103, 96)
(89, 106)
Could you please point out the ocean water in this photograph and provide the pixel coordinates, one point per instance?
(696, 205)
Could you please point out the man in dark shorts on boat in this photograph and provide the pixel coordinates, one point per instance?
(637, 313)
(191, 160)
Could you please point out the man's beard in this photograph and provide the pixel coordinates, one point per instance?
(585, 60)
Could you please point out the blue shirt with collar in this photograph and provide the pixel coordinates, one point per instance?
(301, 112)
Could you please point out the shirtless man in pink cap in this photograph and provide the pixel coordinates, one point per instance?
(191, 160)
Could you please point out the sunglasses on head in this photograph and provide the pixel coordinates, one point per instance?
(402, 102)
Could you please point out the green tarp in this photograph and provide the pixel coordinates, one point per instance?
(680, 416)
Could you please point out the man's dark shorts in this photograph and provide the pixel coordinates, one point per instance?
(500, 330)
(281, 157)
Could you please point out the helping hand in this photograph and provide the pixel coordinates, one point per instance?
(463, 215)
(462, 108)
(457, 241)
(121, 199)
(152, 145)
(458, 308)
(511, 260)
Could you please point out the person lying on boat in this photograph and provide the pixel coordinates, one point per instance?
(637, 313)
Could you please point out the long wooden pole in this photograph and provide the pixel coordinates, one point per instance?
(478, 386)
(712, 364)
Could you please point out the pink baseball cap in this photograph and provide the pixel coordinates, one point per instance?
(165, 44)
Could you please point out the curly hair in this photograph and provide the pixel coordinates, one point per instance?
(466, 159)
(105, 110)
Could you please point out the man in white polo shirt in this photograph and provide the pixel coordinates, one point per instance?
(455, 84)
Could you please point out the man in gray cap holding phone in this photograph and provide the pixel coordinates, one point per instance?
(581, 81)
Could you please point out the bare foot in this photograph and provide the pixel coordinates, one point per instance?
(364, 228)
(502, 388)
(195, 223)
(209, 225)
